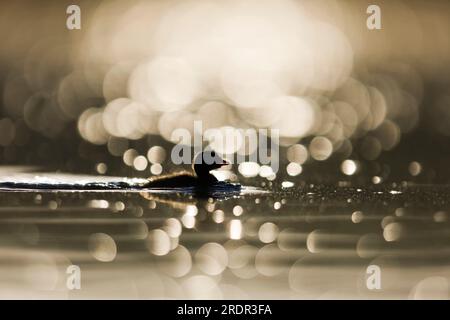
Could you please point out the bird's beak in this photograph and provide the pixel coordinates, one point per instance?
(224, 163)
(221, 163)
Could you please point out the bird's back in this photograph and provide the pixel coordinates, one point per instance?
(174, 180)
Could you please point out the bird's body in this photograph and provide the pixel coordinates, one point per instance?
(183, 179)
(199, 183)
(200, 178)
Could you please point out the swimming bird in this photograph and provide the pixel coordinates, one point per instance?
(200, 178)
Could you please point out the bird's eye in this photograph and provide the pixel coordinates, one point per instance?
(213, 154)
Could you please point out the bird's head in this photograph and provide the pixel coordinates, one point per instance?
(206, 161)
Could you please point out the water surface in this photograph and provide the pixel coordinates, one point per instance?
(274, 243)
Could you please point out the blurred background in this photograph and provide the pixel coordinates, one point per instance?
(364, 123)
(105, 99)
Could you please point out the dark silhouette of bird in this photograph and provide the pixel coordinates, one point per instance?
(200, 178)
(199, 183)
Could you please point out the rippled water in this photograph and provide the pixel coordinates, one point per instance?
(309, 242)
